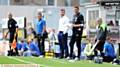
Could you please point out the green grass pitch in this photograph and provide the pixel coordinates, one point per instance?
(45, 62)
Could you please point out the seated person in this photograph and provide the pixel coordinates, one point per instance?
(31, 49)
(21, 47)
(116, 46)
(87, 49)
(54, 42)
(109, 52)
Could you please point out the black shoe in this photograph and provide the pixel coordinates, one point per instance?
(61, 57)
(66, 56)
(10, 52)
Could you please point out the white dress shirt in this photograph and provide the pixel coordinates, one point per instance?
(63, 24)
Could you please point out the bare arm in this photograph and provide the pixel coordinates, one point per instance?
(6, 34)
(78, 25)
(16, 32)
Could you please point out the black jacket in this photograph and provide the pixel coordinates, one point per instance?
(78, 19)
(12, 25)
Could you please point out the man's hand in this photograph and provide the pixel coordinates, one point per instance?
(69, 25)
(79, 29)
(14, 50)
(94, 40)
(15, 35)
(77, 25)
(5, 36)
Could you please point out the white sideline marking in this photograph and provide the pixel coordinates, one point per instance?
(55, 60)
(20, 60)
(59, 61)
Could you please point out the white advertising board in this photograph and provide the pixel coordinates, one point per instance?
(19, 20)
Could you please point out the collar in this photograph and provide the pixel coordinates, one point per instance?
(77, 14)
(63, 16)
(39, 19)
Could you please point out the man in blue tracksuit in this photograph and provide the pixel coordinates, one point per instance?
(109, 52)
(40, 25)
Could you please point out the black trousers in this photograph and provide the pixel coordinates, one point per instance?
(76, 37)
(99, 47)
(91, 57)
(119, 48)
(108, 59)
(11, 38)
(40, 44)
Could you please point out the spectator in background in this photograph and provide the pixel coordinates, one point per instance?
(31, 49)
(40, 25)
(87, 50)
(116, 46)
(63, 34)
(109, 52)
(111, 23)
(22, 47)
(117, 23)
(52, 38)
(12, 30)
(54, 42)
(51, 33)
(33, 31)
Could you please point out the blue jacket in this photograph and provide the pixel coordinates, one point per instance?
(19, 46)
(34, 47)
(109, 50)
(22, 46)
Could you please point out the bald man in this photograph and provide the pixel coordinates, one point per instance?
(12, 30)
(101, 35)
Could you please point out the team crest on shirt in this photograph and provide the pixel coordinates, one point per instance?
(10, 25)
(75, 19)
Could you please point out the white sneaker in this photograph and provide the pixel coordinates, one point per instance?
(68, 58)
(41, 56)
(76, 59)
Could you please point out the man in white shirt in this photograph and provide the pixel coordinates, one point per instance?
(62, 35)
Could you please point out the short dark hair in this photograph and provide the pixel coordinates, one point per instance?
(62, 9)
(39, 13)
(76, 6)
(109, 38)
